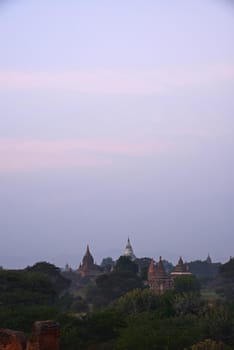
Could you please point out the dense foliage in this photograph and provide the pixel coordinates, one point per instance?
(125, 264)
(109, 287)
(118, 312)
(203, 269)
(25, 288)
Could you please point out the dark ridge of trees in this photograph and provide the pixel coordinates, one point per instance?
(117, 311)
(227, 270)
(107, 264)
(109, 287)
(25, 288)
(185, 284)
(203, 269)
(53, 273)
(223, 284)
(125, 264)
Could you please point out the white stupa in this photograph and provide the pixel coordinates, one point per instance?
(128, 251)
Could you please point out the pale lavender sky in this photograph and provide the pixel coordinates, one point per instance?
(116, 120)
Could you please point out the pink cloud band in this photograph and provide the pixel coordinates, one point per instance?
(24, 155)
(119, 81)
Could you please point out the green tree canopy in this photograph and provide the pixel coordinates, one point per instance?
(227, 270)
(53, 273)
(109, 287)
(186, 284)
(125, 264)
(19, 287)
(137, 301)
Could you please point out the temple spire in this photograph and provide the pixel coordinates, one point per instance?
(208, 259)
(128, 251)
(88, 268)
(180, 269)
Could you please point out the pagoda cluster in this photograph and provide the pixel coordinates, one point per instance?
(157, 278)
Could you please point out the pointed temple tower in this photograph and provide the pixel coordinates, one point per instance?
(128, 251)
(208, 259)
(181, 269)
(158, 280)
(88, 268)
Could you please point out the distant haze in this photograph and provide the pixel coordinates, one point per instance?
(116, 121)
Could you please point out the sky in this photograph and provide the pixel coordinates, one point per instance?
(116, 121)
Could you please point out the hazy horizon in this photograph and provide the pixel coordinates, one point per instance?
(74, 260)
(116, 120)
